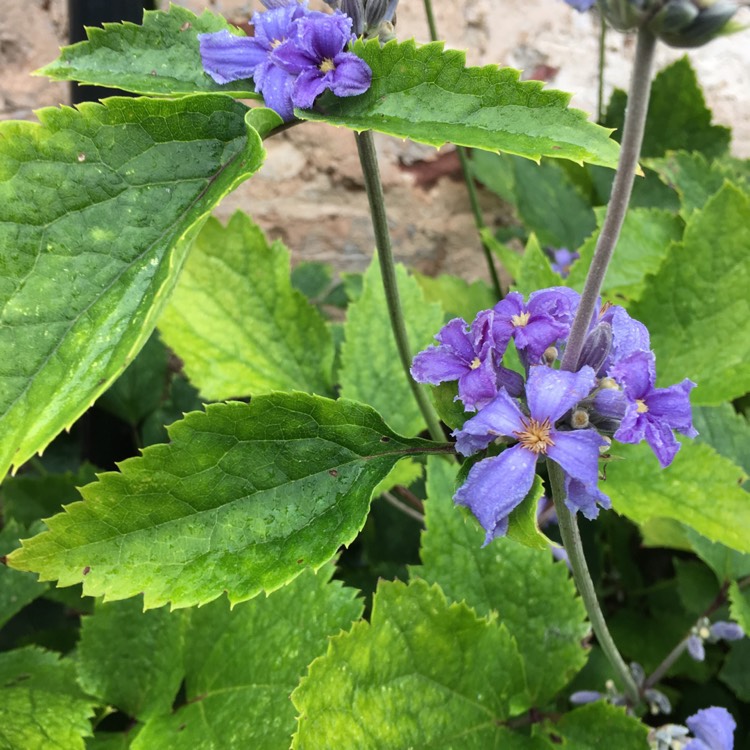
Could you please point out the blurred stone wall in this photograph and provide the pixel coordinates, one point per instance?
(310, 192)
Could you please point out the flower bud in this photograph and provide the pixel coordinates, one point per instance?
(550, 355)
(579, 419)
(625, 15)
(355, 9)
(596, 347)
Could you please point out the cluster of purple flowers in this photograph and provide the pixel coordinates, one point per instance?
(295, 55)
(712, 729)
(547, 413)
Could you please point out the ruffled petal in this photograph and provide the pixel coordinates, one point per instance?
(714, 726)
(277, 91)
(438, 364)
(351, 76)
(277, 24)
(628, 335)
(496, 486)
(309, 85)
(577, 452)
(672, 406)
(585, 498)
(557, 302)
(454, 335)
(632, 429)
(476, 388)
(500, 417)
(292, 58)
(662, 441)
(610, 403)
(227, 57)
(636, 373)
(539, 333)
(550, 393)
(324, 35)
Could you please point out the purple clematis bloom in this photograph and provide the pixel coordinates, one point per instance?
(652, 413)
(562, 260)
(497, 485)
(466, 356)
(536, 325)
(318, 61)
(229, 58)
(722, 630)
(695, 647)
(713, 729)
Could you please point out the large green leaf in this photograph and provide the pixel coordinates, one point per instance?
(243, 663)
(88, 261)
(725, 430)
(132, 659)
(700, 488)
(533, 596)
(535, 271)
(421, 673)
(41, 706)
(371, 370)
(697, 307)
(427, 93)
(238, 324)
(242, 500)
(159, 58)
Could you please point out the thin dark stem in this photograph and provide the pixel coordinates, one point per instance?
(602, 64)
(632, 138)
(463, 157)
(403, 507)
(369, 160)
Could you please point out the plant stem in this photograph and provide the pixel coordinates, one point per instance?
(463, 157)
(632, 138)
(666, 664)
(602, 63)
(571, 539)
(404, 508)
(369, 160)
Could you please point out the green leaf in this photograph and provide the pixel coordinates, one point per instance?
(522, 522)
(242, 664)
(238, 324)
(598, 725)
(696, 305)
(726, 563)
(312, 278)
(160, 58)
(533, 597)
(735, 672)
(457, 297)
(643, 244)
(725, 430)
(41, 706)
(427, 94)
(110, 741)
(510, 260)
(550, 204)
(739, 606)
(678, 118)
(405, 472)
(535, 271)
(371, 369)
(243, 499)
(421, 673)
(700, 488)
(138, 391)
(77, 199)
(17, 589)
(495, 172)
(132, 659)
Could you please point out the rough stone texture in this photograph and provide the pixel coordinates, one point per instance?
(310, 191)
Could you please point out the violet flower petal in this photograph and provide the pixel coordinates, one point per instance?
(672, 406)
(501, 416)
(695, 648)
(309, 85)
(713, 729)
(277, 86)
(350, 76)
(726, 631)
(550, 393)
(585, 498)
(227, 57)
(637, 374)
(662, 441)
(577, 453)
(477, 387)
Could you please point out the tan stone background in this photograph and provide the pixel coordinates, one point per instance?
(310, 191)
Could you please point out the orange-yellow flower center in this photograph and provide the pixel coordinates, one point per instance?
(475, 363)
(535, 435)
(327, 65)
(275, 43)
(520, 320)
(640, 406)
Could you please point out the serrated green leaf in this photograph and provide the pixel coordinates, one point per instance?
(727, 564)
(641, 249)
(427, 94)
(139, 390)
(535, 271)
(17, 589)
(312, 278)
(159, 58)
(457, 297)
(735, 672)
(77, 198)
(696, 307)
(739, 606)
(41, 706)
(495, 172)
(597, 725)
(678, 118)
(405, 472)
(243, 663)
(238, 324)
(132, 659)
(725, 430)
(700, 489)
(243, 499)
(533, 596)
(110, 740)
(522, 522)
(421, 673)
(371, 369)
(550, 204)
(510, 260)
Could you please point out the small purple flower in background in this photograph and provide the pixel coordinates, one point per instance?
(713, 729)
(652, 413)
(562, 260)
(318, 60)
(580, 5)
(538, 324)
(497, 485)
(722, 630)
(704, 631)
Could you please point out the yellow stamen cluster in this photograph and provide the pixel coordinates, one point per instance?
(327, 65)
(640, 406)
(521, 320)
(475, 363)
(536, 435)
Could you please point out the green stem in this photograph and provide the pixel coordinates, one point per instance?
(463, 157)
(369, 160)
(632, 138)
(602, 63)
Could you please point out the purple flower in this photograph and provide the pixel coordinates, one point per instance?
(726, 631)
(695, 647)
(317, 59)
(229, 58)
(497, 485)
(580, 5)
(462, 355)
(713, 729)
(580, 697)
(652, 413)
(562, 259)
(536, 325)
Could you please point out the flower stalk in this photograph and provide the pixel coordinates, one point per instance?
(369, 160)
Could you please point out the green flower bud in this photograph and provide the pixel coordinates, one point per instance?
(626, 15)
